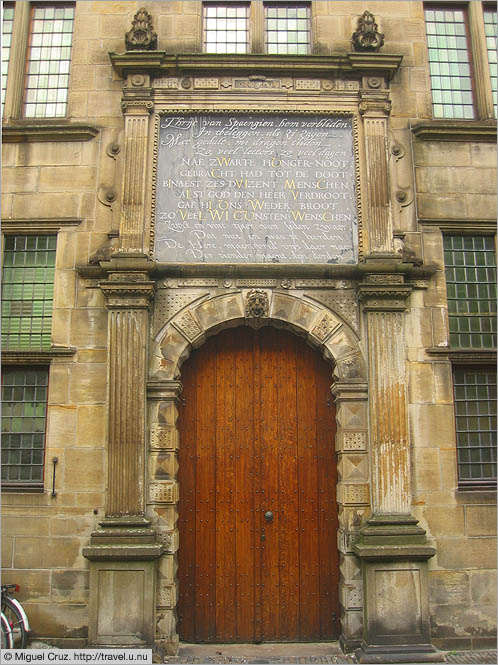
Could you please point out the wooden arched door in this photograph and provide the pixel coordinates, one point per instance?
(258, 557)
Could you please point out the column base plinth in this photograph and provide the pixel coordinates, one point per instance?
(123, 554)
(394, 552)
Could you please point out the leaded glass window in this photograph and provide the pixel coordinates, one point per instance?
(288, 28)
(7, 24)
(226, 27)
(49, 60)
(490, 20)
(475, 407)
(24, 406)
(449, 63)
(27, 291)
(471, 290)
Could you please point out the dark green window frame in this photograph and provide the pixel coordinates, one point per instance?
(470, 266)
(27, 291)
(475, 423)
(24, 419)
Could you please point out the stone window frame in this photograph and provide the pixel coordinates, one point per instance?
(39, 358)
(481, 80)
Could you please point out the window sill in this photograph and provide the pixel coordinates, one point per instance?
(464, 356)
(30, 131)
(22, 488)
(482, 487)
(456, 130)
(31, 357)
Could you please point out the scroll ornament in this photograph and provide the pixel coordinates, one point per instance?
(141, 37)
(367, 37)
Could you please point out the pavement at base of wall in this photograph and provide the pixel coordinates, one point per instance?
(198, 654)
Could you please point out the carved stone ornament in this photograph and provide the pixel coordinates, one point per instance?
(257, 304)
(367, 37)
(141, 37)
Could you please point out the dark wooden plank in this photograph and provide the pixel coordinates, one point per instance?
(225, 479)
(269, 485)
(205, 495)
(258, 544)
(308, 504)
(186, 507)
(327, 505)
(244, 485)
(288, 516)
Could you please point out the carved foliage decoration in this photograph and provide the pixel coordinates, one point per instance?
(141, 37)
(367, 37)
(257, 304)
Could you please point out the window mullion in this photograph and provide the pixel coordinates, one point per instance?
(15, 82)
(482, 83)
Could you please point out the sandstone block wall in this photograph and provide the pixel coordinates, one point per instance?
(43, 535)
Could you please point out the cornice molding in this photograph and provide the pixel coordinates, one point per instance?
(42, 357)
(161, 63)
(41, 225)
(463, 356)
(455, 130)
(464, 226)
(33, 132)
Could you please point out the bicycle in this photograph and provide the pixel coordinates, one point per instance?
(16, 618)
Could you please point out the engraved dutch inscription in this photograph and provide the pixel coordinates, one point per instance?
(256, 188)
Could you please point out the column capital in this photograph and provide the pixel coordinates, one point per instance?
(384, 293)
(128, 293)
(374, 103)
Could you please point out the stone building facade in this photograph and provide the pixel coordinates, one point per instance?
(101, 315)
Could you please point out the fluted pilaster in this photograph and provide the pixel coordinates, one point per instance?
(390, 457)
(128, 303)
(132, 226)
(375, 108)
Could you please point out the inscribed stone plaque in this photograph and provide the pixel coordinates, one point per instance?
(256, 188)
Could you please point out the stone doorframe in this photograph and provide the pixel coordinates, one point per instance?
(321, 328)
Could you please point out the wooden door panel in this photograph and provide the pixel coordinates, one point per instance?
(257, 434)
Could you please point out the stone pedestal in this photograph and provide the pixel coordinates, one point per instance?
(394, 553)
(122, 555)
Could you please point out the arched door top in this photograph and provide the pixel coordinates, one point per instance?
(322, 328)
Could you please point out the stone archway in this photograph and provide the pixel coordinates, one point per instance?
(323, 329)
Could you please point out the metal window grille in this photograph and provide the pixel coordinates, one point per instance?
(449, 63)
(471, 290)
(288, 29)
(475, 410)
(27, 291)
(7, 24)
(49, 60)
(226, 28)
(24, 406)
(490, 28)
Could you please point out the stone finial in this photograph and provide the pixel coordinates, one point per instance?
(141, 37)
(367, 37)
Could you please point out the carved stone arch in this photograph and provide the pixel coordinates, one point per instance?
(323, 329)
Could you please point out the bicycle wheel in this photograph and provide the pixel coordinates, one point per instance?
(6, 634)
(19, 635)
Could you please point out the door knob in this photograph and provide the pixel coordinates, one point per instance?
(269, 516)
